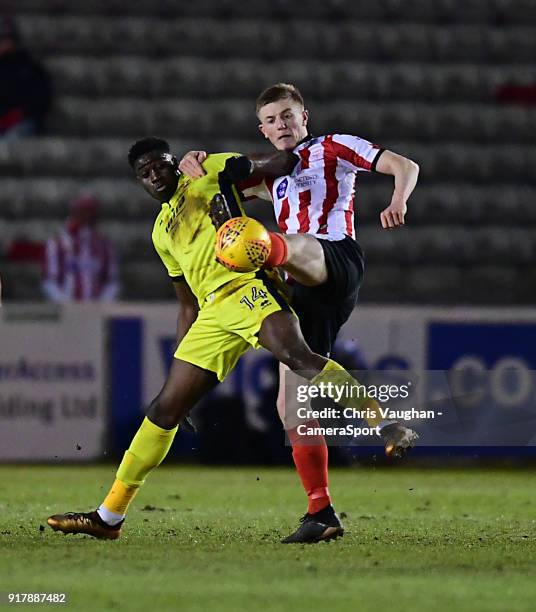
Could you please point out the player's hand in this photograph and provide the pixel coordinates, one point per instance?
(393, 216)
(190, 164)
(238, 168)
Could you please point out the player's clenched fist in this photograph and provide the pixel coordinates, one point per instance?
(190, 164)
(393, 216)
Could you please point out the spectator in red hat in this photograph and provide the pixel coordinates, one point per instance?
(80, 263)
(25, 91)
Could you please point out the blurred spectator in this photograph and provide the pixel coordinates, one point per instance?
(24, 86)
(80, 263)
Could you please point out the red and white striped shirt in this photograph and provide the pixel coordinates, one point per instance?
(80, 265)
(318, 197)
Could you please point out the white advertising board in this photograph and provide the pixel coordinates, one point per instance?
(51, 383)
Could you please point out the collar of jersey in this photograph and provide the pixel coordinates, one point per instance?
(173, 199)
(304, 140)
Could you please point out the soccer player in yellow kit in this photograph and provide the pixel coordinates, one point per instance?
(223, 313)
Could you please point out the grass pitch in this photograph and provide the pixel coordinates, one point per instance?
(208, 539)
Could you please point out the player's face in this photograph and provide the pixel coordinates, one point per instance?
(283, 123)
(158, 174)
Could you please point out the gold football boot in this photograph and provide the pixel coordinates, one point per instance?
(89, 523)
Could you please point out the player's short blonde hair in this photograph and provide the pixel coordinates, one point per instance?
(276, 92)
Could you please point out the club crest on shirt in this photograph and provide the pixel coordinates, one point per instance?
(282, 188)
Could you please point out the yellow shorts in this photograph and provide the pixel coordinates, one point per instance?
(228, 323)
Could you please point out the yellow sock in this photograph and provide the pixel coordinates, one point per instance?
(337, 375)
(119, 497)
(147, 450)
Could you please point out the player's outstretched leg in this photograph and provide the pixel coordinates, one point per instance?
(301, 255)
(397, 438)
(281, 335)
(185, 385)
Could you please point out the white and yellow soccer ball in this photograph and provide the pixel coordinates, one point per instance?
(242, 244)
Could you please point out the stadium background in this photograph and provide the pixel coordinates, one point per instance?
(447, 84)
(450, 84)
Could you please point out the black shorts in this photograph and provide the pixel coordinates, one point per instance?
(324, 309)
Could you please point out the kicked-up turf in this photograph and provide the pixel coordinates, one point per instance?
(208, 539)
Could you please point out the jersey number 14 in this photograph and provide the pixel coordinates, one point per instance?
(256, 294)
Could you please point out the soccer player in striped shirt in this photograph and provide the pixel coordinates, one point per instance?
(314, 208)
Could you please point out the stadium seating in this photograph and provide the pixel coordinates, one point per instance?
(300, 39)
(121, 75)
(442, 11)
(418, 77)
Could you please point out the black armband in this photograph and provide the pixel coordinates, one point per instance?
(375, 160)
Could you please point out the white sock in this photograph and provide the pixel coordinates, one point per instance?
(110, 518)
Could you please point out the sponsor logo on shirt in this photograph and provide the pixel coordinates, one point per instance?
(282, 188)
(173, 218)
(304, 182)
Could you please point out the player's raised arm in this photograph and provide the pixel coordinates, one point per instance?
(405, 172)
(189, 308)
(260, 165)
(273, 164)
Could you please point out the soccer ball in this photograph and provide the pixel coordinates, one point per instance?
(242, 244)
